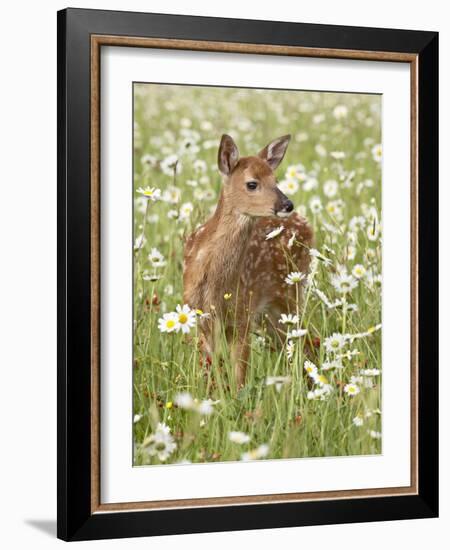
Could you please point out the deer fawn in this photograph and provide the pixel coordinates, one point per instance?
(230, 254)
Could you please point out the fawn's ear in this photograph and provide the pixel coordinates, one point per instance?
(228, 155)
(274, 152)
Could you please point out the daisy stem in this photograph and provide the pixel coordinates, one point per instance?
(344, 313)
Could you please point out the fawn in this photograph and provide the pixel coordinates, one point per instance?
(230, 254)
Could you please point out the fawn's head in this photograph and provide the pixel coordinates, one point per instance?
(250, 185)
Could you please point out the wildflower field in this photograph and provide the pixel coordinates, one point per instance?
(319, 393)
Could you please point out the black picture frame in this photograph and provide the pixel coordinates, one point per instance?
(75, 518)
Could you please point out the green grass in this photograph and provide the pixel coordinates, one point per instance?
(287, 421)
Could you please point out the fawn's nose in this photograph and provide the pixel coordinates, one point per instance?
(285, 209)
(283, 206)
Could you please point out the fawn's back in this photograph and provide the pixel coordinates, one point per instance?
(268, 262)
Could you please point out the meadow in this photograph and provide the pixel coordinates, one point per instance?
(319, 393)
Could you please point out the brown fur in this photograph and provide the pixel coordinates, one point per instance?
(230, 253)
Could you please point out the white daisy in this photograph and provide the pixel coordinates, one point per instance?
(351, 252)
(151, 193)
(156, 258)
(149, 160)
(260, 452)
(200, 166)
(295, 171)
(335, 364)
(277, 381)
(330, 188)
(288, 319)
(358, 271)
(373, 231)
(315, 205)
(358, 420)
(186, 318)
(172, 195)
(374, 435)
(340, 111)
(348, 354)
(373, 280)
(337, 155)
(186, 210)
(146, 276)
(351, 389)
(290, 348)
(334, 208)
(310, 368)
(170, 164)
(357, 222)
(320, 150)
(370, 254)
(321, 380)
(297, 333)
(206, 407)
(238, 437)
(275, 232)
(186, 122)
(343, 282)
(377, 152)
(136, 418)
(368, 332)
(160, 443)
(139, 242)
(185, 401)
(320, 394)
(294, 278)
(335, 342)
(318, 118)
(310, 183)
(370, 372)
(168, 322)
(289, 186)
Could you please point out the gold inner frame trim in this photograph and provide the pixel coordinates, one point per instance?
(97, 41)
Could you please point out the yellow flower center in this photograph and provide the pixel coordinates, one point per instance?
(183, 318)
(170, 323)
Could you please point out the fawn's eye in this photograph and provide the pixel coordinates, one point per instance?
(252, 185)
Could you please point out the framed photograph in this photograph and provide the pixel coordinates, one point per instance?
(247, 253)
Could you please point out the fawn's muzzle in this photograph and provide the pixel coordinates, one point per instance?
(284, 206)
